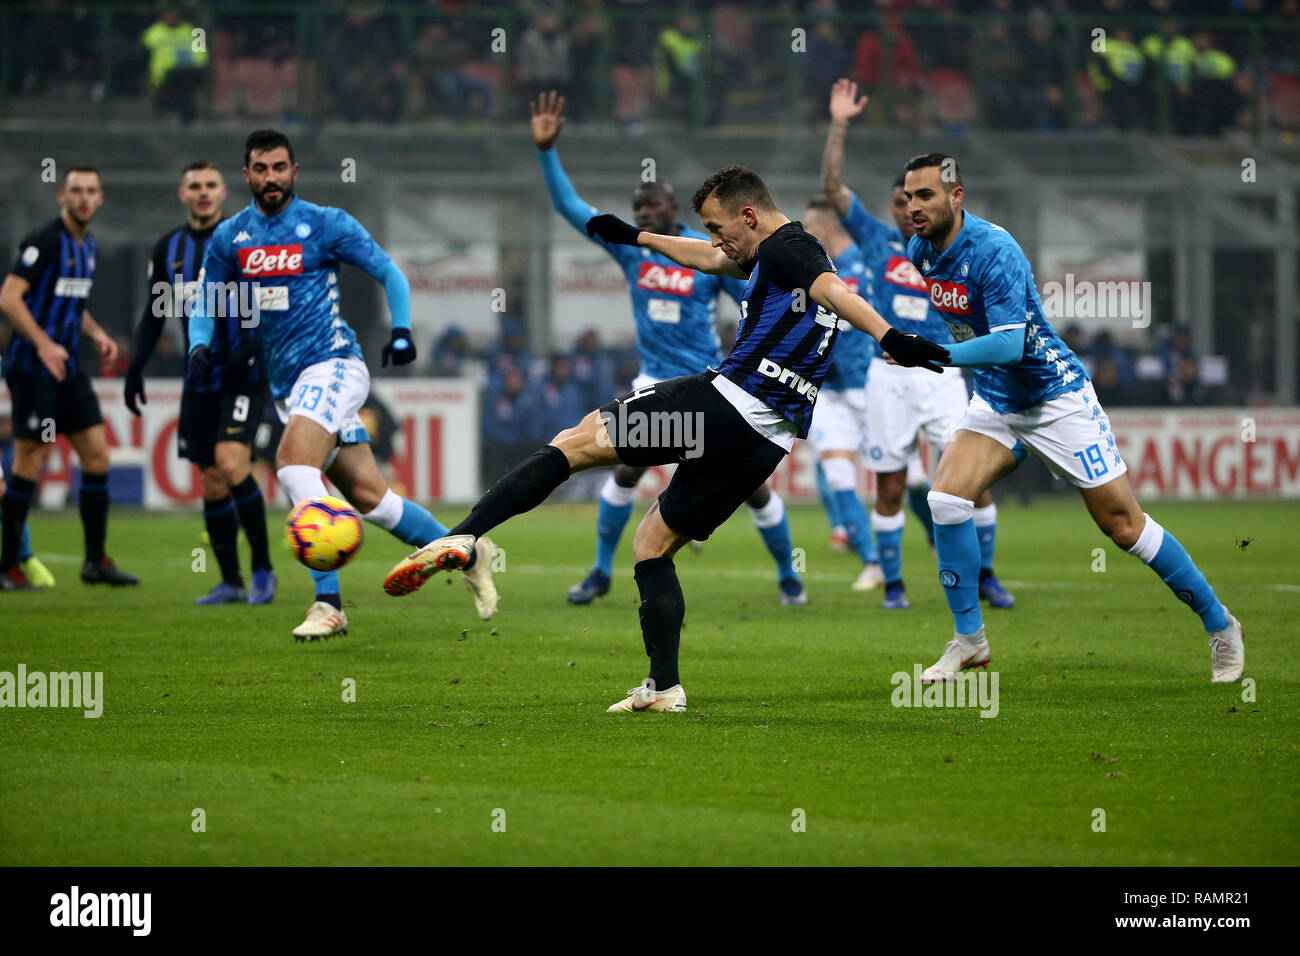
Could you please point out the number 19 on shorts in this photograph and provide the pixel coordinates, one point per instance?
(1094, 465)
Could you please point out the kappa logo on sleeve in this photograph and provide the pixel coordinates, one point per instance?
(271, 260)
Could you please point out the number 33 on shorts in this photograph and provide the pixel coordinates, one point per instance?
(307, 397)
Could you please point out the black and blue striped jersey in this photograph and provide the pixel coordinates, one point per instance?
(174, 268)
(785, 341)
(60, 271)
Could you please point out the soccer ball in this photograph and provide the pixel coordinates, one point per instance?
(324, 533)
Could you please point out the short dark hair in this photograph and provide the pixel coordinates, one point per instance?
(656, 185)
(734, 185)
(898, 183)
(944, 162)
(262, 140)
(199, 164)
(80, 168)
(823, 205)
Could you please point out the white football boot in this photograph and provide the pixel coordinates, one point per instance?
(645, 697)
(323, 620)
(1228, 652)
(448, 553)
(963, 652)
(872, 577)
(478, 579)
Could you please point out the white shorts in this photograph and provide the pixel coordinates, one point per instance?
(839, 420)
(331, 394)
(904, 404)
(1070, 432)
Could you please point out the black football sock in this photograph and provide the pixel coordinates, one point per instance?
(94, 514)
(662, 610)
(223, 533)
(333, 600)
(252, 515)
(14, 507)
(521, 489)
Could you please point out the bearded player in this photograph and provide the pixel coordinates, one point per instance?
(287, 251)
(1031, 392)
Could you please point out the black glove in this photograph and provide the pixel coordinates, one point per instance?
(200, 362)
(400, 348)
(613, 230)
(135, 389)
(914, 351)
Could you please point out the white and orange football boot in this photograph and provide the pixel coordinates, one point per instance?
(645, 697)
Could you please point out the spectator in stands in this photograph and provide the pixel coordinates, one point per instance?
(946, 45)
(363, 69)
(512, 349)
(505, 424)
(681, 58)
(555, 402)
(1170, 59)
(55, 50)
(632, 72)
(1104, 352)
(544, 53)
(588, 35)
(1042, 93)
(1181, 368)
(885, 60)
(1216, 97)
(439, 76)
(1118, 74)
(176, 63)
(593, 370)
(735, 70)
(450, 352)
(1002, 99)
(828, 53)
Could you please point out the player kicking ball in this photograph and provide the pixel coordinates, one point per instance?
(1031, 392)
(289, 251)
(675, 336)
(751, 408)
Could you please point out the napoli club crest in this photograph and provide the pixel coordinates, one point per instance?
(303, 230)
(948, 578)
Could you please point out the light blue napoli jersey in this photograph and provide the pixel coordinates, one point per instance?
(673, 306)
(854, 349)
(900, 294)
(982, 283)
(293, 257)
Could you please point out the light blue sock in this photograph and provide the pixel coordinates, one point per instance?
(889, 540)
(327, 582)
(1184, 578)
(916, 498)
(611, 519)
(829, 504)
(856, 524)
(416, 526)
(25, 543)
(988, 534)
(958, 547)
(774, 526)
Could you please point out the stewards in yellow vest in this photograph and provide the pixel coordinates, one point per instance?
(1172, 57)
(1117, 72)
(177, 55)
(1217, 100)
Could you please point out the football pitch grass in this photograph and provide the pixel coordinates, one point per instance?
(488, 743)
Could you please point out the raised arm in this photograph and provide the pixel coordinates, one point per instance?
(844, 106)
(698, 254)
(547, 120)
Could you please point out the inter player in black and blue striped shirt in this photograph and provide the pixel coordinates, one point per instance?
(727, 429)
(44, 296)
(220, 408)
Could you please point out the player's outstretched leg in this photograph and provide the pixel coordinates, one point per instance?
(1117, 512)
(325, 618)
(768, 511)
(986, 526)
(523, 488)
(616, 499)
(839, 541)
(662, 611)
(13, 514)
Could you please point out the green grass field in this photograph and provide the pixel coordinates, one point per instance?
(1105, 702)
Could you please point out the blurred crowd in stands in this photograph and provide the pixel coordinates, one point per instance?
(1003, 64)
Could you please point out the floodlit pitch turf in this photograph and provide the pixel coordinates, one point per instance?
(1105, 703)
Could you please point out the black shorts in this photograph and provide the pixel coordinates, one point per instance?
(721, 459)
(211, 417)
(38, 401)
